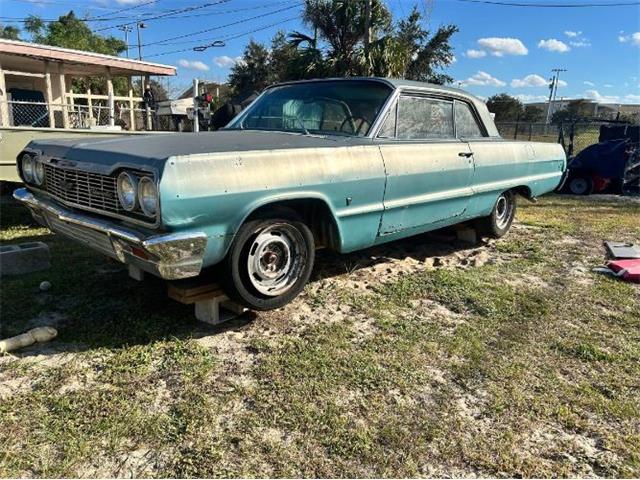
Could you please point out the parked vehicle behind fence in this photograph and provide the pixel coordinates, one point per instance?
(339, 163)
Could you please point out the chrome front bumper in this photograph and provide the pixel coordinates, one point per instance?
(169, 256)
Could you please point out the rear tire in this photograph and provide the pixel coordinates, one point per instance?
(498, 223)
(270, 261)
(580, 185)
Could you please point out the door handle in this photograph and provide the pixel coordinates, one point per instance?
(465, 154)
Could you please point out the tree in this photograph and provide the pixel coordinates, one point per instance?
(253, 72)
(337, 48)
(71, 32)
(505, 107)
(532, 113)
(10, 33)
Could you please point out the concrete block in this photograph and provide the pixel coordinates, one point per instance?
(467, 235)
(24, 258)
(217, 310)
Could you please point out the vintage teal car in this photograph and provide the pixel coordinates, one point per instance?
(338, 163)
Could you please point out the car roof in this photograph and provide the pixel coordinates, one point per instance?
(395, 83)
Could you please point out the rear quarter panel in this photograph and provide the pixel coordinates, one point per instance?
(501, 165)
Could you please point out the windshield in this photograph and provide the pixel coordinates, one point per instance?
(334, 108)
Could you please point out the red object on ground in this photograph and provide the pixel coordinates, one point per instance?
(630, 267)
(599, 183)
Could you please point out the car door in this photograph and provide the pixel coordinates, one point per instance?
(428, 169)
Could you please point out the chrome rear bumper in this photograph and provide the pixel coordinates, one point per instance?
(169, 256)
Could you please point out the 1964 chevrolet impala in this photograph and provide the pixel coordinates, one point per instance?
(339, 163)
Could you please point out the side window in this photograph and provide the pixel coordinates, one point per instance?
(424, 118)
(388, 129)
(466, 123)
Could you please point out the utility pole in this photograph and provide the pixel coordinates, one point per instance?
(140, 25)
(196, 105)
(126, 29)
(553, 90)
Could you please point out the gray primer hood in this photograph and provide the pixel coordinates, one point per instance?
(152, 150)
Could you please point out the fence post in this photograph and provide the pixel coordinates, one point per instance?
(515, 132)
(530, 130)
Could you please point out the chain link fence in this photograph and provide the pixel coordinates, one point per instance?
(575, 137)
(36, 114)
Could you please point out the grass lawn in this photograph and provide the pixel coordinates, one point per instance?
(424, 357)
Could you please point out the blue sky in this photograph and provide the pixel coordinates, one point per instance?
(498, 49)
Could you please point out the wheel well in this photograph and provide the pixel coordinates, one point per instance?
(523, 191)
(315, 213)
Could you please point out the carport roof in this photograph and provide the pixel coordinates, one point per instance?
(29, 57)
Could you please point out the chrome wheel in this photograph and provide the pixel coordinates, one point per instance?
(502, 212)
(276, 259)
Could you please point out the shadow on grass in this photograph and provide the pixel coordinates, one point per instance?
(95, 304)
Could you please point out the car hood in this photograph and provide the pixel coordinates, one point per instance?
(153, 150)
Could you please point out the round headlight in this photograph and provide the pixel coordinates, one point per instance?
(148, 196)
(27, 168)
(127, 193)
(38, 172)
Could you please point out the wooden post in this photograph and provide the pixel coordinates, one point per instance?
(63, 96)
(4, 99)
(49, 93)
(146, 106)
(132, 114)
(111, 102)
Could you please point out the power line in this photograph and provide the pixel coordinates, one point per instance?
(144, 18)
(552, 5)
(164, 41)
(169, 13)
(227, 38)
(124, 9)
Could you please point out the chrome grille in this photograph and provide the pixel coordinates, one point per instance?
(83, 189)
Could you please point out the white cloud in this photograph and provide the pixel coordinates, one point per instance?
(562, 83)
(572, 34)
(499, 47)
(193, 65)
(129, 2)
(482, 79)
(595, 95)
(532, 80)
(633, 38)
(589, 84)
(471, 53)
(608, 85)
(580, 43)
(225, 61)
(632, 98)
(553, 45)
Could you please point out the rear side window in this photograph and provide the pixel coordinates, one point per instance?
(466, 123)
(424, 118)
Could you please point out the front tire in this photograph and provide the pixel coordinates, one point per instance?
(499, 222)
(270, 261)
